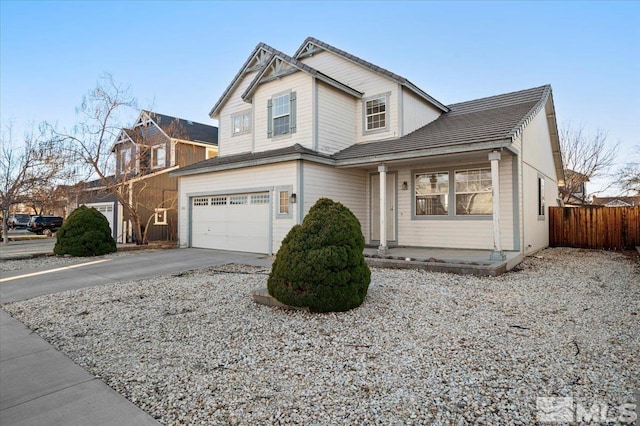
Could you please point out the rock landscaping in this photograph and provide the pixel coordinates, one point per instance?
(423, 348)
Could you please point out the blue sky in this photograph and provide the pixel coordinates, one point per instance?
(178, 57)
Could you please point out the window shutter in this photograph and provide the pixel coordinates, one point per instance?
(269, 119)
(292, 112)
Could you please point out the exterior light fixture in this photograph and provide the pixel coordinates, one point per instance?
(293, 198)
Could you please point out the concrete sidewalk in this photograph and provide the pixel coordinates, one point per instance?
(41, 386)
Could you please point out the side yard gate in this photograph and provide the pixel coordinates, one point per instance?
(595, 227)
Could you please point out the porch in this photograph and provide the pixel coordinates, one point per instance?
(457, 261)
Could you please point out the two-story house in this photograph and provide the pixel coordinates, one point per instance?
(415, 171)
(144, 155)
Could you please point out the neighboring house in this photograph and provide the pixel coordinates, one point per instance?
(574, 190)
(416, 172)
(621, 201)
(145, 154)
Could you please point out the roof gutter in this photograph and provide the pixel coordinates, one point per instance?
(430, 152)
(255, 162)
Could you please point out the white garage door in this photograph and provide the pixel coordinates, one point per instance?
(107, 210)
(238, 222)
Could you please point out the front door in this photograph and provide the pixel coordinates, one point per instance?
(375, 207)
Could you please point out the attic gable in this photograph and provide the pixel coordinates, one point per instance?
(281, 65)
(125, 136)
(256, 61)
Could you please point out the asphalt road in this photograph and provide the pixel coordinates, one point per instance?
(25, 284)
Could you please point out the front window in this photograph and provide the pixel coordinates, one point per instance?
(432, 194)
(473, 192)
(281, 115)
(158, 156)
(241, 123)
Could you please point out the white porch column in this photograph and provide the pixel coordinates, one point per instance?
(497, 253)
(382, 248)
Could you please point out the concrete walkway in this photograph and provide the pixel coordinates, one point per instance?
(41, 386)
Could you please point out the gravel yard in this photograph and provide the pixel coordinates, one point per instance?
(423, 348)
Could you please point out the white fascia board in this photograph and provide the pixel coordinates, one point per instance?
(430, 152)
(257, 162)
(202, 144)
(150, 175)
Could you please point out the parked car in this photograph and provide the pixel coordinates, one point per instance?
(18, 220)
(42, 224)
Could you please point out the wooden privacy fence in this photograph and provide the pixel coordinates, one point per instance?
(594, 227)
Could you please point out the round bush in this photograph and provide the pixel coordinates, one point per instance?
(86, 232)
(321, 263)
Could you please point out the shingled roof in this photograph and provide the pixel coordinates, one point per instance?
(194, 132)
(492, 119)
(305, 50)
(478, 124)
(288, 153)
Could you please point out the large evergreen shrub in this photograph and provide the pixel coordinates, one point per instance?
(321, 263)
(86, 232)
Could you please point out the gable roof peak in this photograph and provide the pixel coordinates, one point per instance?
(276, 65)
(256, 61)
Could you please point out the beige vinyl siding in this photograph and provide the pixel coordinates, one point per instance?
(336, 119)
(537, 145)
(363, 80)
(239, 181)
(228, 144)
(460, 232)
(537, 160)
(347, 186)
(298, 82)
(417, 113)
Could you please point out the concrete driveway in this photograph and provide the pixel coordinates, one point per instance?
(90, 272)
(40, 385)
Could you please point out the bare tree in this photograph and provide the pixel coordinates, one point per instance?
(629, 176)
(585, 156)
(116, 154)
(90, 142)
(25, 167)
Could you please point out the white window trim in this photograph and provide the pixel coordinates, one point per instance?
(387, 115)
(241, 130)
(124, 162)
(154, 150)
(289, 190)
(160, 217)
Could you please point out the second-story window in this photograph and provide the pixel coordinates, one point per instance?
(158, 156)
(281, 115)
(241, 123)
(375, 111)
(125, 160)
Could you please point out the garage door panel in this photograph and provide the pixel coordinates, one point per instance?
(231, 222)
